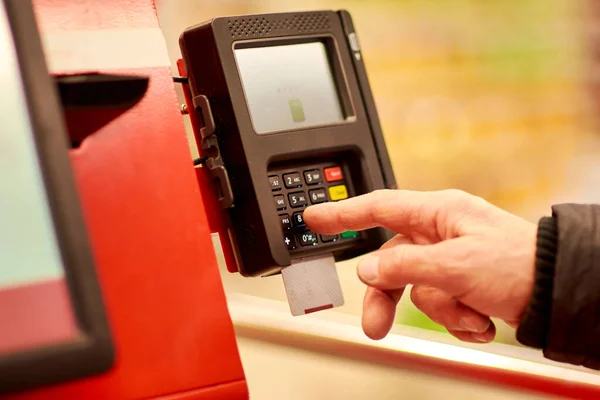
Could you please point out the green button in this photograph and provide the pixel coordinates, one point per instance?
(349, 235)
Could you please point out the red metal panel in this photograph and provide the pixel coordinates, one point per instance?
(150, 237)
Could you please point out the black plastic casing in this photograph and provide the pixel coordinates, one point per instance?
(208, 54)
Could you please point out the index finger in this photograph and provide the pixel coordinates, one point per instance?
(397, 210)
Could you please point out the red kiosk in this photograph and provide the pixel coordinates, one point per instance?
(170, 332)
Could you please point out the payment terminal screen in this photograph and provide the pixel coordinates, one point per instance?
(35, 308)
(289, 87)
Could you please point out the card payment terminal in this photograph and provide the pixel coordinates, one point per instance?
(288, 120)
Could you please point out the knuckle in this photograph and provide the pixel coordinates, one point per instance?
(465, 203)
(417, 217)
(478, 203)
(380, 193)
(455, 194)
(459, 200)
(478, 209)
(456, 200)
(380, 198)
(462, 197)
(380, 205)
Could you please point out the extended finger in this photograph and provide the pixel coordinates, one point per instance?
(379, 306)
(445, 310)
(379, 311)
(398, 210)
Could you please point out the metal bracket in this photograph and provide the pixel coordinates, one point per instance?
(210, 145)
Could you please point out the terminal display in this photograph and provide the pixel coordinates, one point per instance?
(289, 86)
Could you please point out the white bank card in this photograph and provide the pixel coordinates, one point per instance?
(312, 284)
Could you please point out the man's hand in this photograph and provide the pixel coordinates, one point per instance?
(467, 259)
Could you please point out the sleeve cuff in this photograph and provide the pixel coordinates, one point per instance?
(533, 330)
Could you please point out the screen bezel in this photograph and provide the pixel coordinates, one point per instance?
(91, 352)
(335, 64)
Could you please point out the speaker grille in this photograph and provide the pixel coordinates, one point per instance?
(257, 27)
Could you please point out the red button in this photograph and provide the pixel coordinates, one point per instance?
(333, 174)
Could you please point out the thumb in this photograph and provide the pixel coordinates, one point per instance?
(432, 265)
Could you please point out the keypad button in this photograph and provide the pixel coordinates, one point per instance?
(317, 196)
(292, 180)
(275, 183)
(308, 238)
(338, 193)
(313, 177)
(289, 240)
(294, 190)
(333, 174)
(279, 202)
(298, 220)
(329, 238)
(349, 235)
(297, 199)
(286, 223)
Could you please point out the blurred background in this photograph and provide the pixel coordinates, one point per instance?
(495, 97)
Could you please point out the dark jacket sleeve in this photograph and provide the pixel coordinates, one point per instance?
(563, 316)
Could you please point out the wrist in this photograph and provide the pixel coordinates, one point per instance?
(532, 330)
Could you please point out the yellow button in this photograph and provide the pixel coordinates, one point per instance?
(338, 193)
